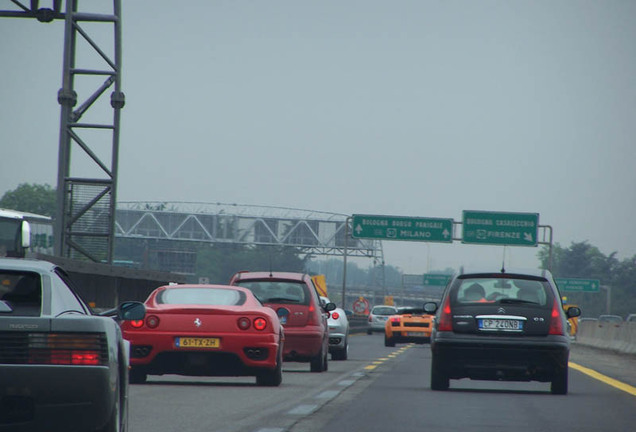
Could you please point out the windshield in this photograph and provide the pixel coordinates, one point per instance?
(10, 230)
(272, 291)
(500, 290)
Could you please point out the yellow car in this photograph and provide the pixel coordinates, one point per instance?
(409, 324)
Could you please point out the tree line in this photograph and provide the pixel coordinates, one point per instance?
(218, 262)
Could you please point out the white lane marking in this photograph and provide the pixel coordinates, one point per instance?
(328, 394)
(303, 410)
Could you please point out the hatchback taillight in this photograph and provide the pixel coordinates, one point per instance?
(445, 317)
(556, 323)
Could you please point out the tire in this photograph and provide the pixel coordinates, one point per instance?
(137, 376)
(271, 378)
(369, 331)
(559, 385)
(319, 362)
(116, 421)
(342, 354)
(388, 342)
(439, 379)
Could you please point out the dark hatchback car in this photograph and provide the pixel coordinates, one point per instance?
(501, 325)
(304, 318)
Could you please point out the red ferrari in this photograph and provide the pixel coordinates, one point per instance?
(206, 330)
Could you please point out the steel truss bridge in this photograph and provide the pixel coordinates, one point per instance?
(180, 224)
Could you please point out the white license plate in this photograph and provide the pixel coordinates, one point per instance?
(500, 324)
(416, 334)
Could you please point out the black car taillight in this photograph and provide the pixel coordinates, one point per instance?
(556, 323)
(445, 317)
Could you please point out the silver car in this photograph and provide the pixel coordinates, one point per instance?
(62, 367)
(338, 332)
(378, 316)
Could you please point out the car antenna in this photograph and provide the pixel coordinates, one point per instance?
(503, 261)
(270, 265)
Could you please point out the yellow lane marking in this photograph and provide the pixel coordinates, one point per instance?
(607, 380)
(381, 360)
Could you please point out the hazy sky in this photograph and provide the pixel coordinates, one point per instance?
(412, 108)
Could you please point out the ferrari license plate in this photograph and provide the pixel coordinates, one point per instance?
(195, 342)
(500, 324)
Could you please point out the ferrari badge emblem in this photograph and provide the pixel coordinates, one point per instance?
(197, 322)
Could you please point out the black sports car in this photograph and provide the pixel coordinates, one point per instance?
(62, 368)
(501, 325)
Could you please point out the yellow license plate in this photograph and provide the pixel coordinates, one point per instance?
(192, 342)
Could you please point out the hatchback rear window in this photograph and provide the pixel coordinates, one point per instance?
(21, 293)
(501, 290)
(277, 291)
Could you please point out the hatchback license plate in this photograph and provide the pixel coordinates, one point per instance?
(192, 342)
(500, 324)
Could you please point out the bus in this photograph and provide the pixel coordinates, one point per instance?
(22, 233)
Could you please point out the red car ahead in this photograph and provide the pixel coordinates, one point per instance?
(294, 298)
(206, 330)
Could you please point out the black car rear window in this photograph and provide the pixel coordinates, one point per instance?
(502, 290)
(278, 291)
(21, 293)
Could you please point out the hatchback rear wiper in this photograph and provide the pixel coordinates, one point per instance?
(514, 300)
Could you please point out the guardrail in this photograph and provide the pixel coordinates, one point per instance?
(358, 324)
(615, 337)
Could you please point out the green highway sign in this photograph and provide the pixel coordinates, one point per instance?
(497, 228)
(402, 228)
(578, 285)
(436, 279)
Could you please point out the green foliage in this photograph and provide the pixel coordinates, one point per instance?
(32, 198)
(582, 260)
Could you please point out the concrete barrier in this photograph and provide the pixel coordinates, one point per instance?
(616, 337)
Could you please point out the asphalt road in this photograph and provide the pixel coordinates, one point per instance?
(382, 389)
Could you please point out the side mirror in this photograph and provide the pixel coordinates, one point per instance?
(573, 312)
(329, 307)
(130, 311)
(430, 308)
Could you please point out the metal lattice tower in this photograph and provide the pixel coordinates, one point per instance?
(86, 190)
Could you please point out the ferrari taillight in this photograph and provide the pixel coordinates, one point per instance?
(244, 323)
(136, 323)
(260, 323)
(335, 315)
(152, 321)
